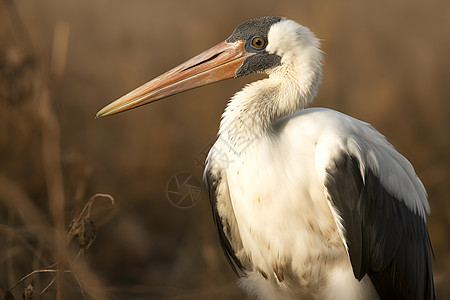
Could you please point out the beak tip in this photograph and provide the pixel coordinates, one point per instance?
(105, 111)
(99, 114)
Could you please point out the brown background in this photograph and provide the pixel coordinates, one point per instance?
(386, 62)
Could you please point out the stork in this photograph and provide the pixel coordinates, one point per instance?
(309, 203)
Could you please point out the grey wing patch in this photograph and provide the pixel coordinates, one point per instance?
(385, 239)
(212, 182)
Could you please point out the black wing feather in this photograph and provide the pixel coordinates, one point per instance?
(211, 182)
(385, 239)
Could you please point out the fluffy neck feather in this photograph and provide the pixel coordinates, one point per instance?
(253, 111)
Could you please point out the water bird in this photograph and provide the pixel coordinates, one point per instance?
(309, 203)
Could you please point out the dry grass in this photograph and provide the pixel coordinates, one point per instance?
(386, 63)
(33, 236)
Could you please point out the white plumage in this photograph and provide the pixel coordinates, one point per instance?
(308, 203)
(272, 193)
(273, 196)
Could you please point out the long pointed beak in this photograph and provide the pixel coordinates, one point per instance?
(217, 63)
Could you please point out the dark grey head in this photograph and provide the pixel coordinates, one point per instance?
(255, 34)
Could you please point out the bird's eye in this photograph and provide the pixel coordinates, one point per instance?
(258, 43)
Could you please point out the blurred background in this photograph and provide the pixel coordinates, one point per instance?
(386, 62)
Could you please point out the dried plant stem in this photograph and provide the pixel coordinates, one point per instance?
(47, 286)
(19, 26)
(92, 201)
(51, 153)
(38, 272)
(48, 270)
(51, 234)
(79, 284)
(82, 228)
(51, 150)
(9, 262)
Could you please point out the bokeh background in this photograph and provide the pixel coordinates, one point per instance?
(386, 62)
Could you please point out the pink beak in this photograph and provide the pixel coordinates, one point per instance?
(215, 64)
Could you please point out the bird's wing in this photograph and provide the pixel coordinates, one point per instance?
(228, 240)
(379, 203)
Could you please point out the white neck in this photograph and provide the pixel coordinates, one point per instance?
(253, 111)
